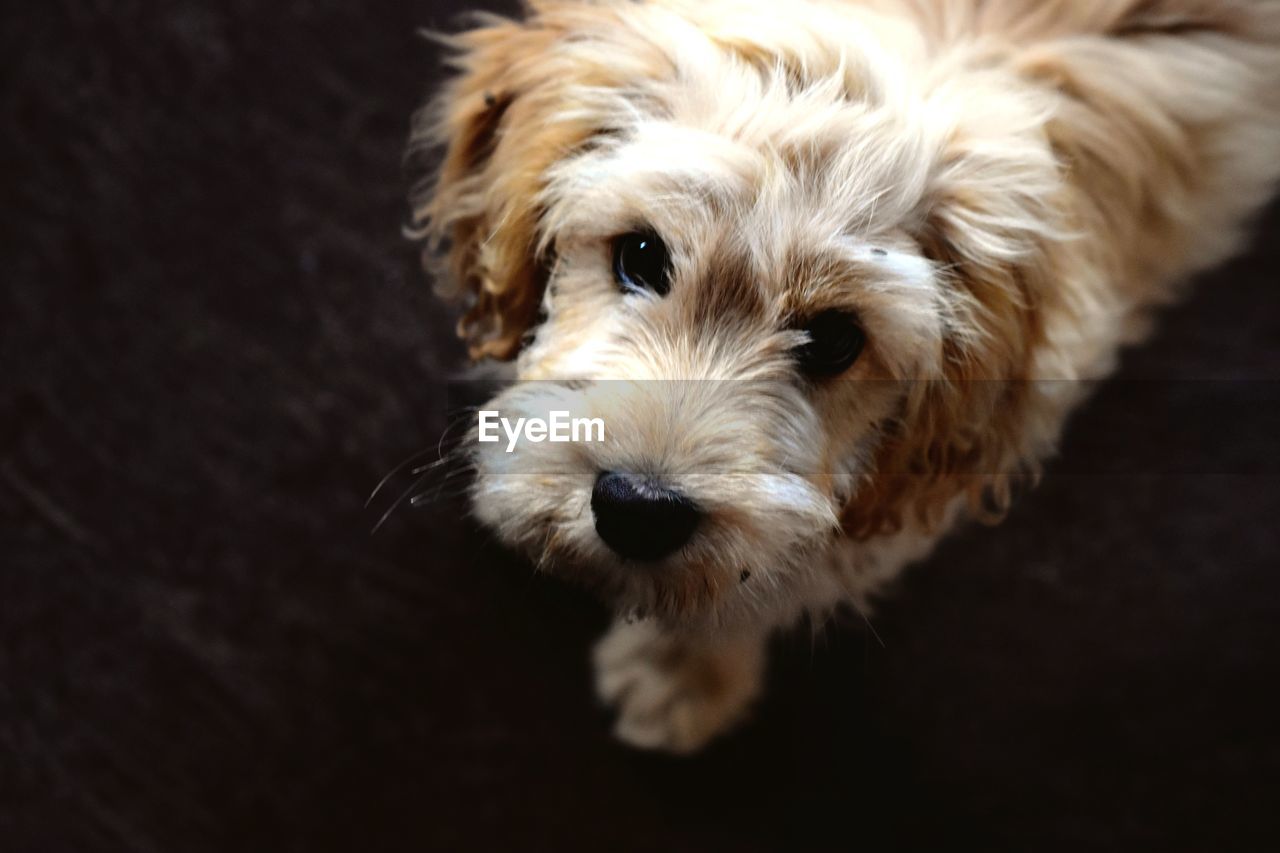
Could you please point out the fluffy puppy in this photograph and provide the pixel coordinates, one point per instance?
(832, 274)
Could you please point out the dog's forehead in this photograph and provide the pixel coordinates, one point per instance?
(793, 219)
(853, 171)
(779, 164)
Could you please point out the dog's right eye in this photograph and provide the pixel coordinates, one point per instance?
(641, 262)
(836, 339)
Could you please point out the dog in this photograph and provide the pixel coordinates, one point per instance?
(831, 274)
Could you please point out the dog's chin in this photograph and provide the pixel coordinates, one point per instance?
(686, 589)
(675, 590)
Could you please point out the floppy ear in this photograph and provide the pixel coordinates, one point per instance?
(498, 123)
(991, 223)
(1134, 140)
(969, 433)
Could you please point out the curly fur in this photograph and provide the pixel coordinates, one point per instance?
(1001, 190)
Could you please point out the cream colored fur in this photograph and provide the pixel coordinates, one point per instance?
(1002, 190)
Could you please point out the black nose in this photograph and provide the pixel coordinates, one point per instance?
(640, 520)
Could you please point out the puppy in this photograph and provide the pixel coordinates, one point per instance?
(831, 274)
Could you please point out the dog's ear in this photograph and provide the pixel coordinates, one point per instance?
(1122, 162)
(502, 123)
(992, 226)
(969, 433)
(991, 222)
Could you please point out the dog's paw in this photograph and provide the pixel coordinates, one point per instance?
(675, 693)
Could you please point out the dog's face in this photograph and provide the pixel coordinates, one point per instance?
(737, 325)
(764, 263)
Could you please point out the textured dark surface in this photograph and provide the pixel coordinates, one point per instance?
(215, 342)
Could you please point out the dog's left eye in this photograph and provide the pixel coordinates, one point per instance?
(641, 262)
(836, 339)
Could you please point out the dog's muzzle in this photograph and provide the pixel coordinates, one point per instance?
(640, 519)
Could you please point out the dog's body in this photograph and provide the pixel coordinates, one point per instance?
(897, 240)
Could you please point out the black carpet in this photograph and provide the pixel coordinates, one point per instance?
(214, 342)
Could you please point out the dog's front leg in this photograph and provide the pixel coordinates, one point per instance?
(675, 691)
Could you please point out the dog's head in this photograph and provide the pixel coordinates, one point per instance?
(795, 277)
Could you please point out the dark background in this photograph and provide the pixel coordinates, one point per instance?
(214, 342)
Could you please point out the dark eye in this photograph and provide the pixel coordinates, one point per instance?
(835, 341)
(641, 262)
